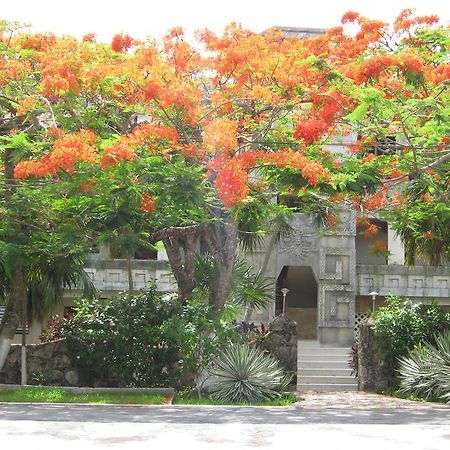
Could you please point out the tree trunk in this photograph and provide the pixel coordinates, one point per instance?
(130, 275)
(182, 268)
(221, 236)
(11, 318)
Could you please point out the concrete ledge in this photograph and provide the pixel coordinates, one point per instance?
(91, 390)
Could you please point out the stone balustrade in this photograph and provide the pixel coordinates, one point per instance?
(417, 281)
(111, 275)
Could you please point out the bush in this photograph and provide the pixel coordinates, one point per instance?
(143, 340)
(244, 374)
(425, 372)
(403, 324)
(199, 338)
(123, 342)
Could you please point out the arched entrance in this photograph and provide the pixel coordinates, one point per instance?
(301, 300)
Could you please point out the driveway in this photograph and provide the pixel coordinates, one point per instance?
(370, 422)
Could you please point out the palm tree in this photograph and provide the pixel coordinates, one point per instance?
(35, 290)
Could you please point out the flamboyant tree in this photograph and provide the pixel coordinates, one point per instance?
(143, 141)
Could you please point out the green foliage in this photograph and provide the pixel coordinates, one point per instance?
(247, 288)
(244, 374)
(124, 340)
(403, 324)
(199, 337)
(58, 395)
(144, 340)
(425, 371)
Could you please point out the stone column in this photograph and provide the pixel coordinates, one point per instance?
(396, 248)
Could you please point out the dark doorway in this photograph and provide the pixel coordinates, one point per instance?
(301, 301)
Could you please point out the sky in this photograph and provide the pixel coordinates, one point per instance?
(141, 18)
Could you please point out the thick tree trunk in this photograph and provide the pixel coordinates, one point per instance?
(182, 264)
(221, 236)
(11, 318)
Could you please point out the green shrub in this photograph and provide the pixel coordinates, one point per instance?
(425, 372)
(403, 324)
(244, 374)
(144, 340)
(199, 338)
(122, 342)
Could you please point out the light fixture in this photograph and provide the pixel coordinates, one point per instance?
(284, 291)
(374, 296)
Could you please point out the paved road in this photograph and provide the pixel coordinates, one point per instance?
(83, 427)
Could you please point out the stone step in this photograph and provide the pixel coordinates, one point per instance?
(326, 379)
(322, 358)
(327, 387)
(322, 365)
(320, 352)
(301, 372)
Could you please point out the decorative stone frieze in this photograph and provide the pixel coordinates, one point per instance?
(301, 241)
(330, 312)
(343, 260)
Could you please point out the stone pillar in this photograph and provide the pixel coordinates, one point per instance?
(337, 284)
(373, 375)
(396, 248)
(281, 342)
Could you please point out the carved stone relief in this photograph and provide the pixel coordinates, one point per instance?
(330, 299)
(339, 255)
(301, 242)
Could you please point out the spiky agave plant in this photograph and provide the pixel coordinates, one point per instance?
(425, 372)
(244, 374)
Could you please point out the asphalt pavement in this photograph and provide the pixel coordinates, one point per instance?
(56, 426)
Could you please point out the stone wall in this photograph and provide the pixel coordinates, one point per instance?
(373, 375)
(47, 364)
(281, 342)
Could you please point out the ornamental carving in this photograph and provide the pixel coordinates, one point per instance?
(300, 242)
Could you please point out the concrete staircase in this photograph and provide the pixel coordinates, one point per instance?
(323, 369)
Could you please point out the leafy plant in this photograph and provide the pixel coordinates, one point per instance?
(123, 342)
(248, 289)
(425, 372)
(353, 359)
(246, 374)
(199, 338)
(403, 324)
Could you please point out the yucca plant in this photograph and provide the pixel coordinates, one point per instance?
(244, 374)
(425, 372)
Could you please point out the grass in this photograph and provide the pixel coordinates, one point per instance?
(192, 399)
(412, 397)
(55, 395)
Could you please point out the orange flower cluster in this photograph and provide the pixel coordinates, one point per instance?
(153, 135)
(405, 21)
(122, 42)
(375, 201)
(148, 203)
(312, 171)
(428, 234)
(370, 231)
(394, 173)
(67, 152)
(220, 135)
(378, 248)
(117, 152)
(26, 104)
(311, 129)
(231, 183)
